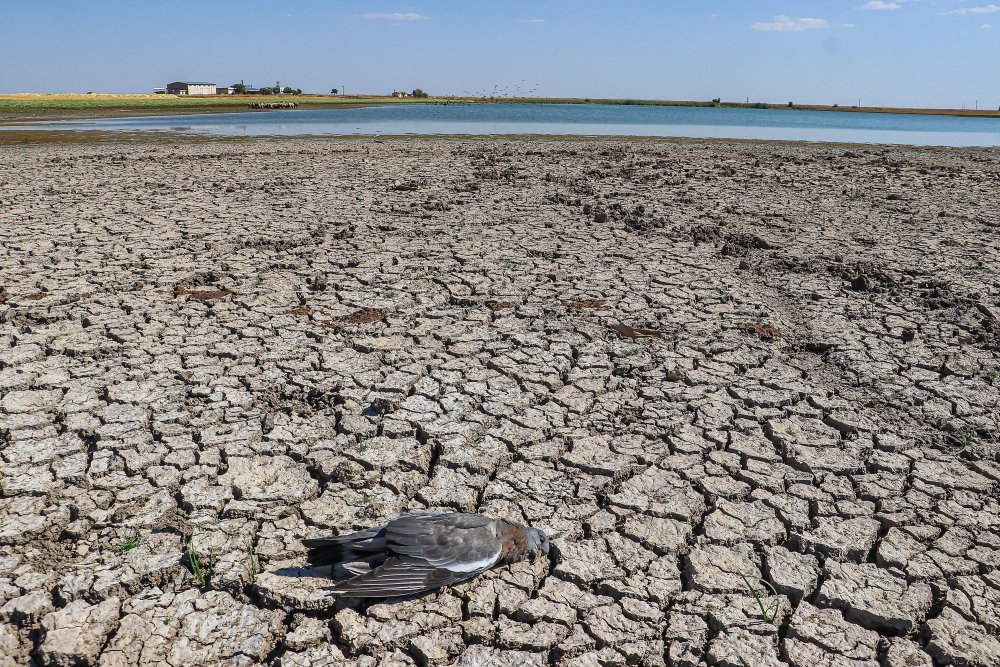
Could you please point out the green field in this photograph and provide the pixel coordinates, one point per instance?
(15, 107)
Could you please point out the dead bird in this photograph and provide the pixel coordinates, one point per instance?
(421, 551)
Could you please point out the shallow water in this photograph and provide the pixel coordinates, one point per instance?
(570, 119)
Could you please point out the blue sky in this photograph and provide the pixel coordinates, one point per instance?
(883, 52)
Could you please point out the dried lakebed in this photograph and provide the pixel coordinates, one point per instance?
(211, 350)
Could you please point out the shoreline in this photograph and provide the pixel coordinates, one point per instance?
(139, 138)
(17, 109)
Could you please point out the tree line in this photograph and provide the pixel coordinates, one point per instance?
(241, 89)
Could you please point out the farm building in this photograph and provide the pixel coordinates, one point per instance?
(224, 90)
(191, 88)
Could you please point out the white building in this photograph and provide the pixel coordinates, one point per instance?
(191, 88)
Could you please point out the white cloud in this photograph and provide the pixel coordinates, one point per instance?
(531, 20)
(985, 9)
(986, 26)
(394, 16)
(880, 5)
(788, 24)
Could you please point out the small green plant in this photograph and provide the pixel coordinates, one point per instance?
(251, 564)
(856, 194)
(128, 543)
(365, 499)
(390, 295)
(632, 351)
(362, 447)
(768, 617)
(993, 374)
(202, 571)
(168, 620)
(964, 440)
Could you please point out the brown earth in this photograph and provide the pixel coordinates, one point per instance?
(766, 432)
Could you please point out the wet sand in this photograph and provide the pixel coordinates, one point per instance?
(696, 365)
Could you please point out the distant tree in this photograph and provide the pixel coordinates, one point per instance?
(239, 89)
(717, 101)
(287, 90)
(266, 91)
(417, 92)
(333, 91)
(298, 91)
(790, 105)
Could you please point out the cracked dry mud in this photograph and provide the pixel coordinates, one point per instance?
(220, 348)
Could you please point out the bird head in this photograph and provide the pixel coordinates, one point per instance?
(538, 543)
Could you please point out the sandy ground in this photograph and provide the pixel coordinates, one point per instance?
(209, 351)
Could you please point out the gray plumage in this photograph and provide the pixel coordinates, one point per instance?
(420, 551)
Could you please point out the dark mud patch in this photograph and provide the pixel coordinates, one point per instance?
(496, 306)
(626, 331)
(766, 332)
(585, 304)
(363, 316)
(203, 294)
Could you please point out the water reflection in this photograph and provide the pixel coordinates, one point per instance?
(571, 119)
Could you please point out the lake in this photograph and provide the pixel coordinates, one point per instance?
(568, 119)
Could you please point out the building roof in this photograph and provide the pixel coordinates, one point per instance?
(191, 83)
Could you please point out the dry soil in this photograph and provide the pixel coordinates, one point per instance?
(750, 390)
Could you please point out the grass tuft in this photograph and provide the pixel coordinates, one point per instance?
(128, 543)
(202, 570)
(964, 440)
(768, 617)
(251, 564)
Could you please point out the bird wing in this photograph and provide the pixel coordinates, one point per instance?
(400, 576)
(454, 541)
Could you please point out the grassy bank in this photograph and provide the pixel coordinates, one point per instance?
(986, 113)
(52, 107)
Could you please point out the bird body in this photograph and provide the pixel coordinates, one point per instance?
(420, 551)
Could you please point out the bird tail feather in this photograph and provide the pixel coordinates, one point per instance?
(360, 546)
